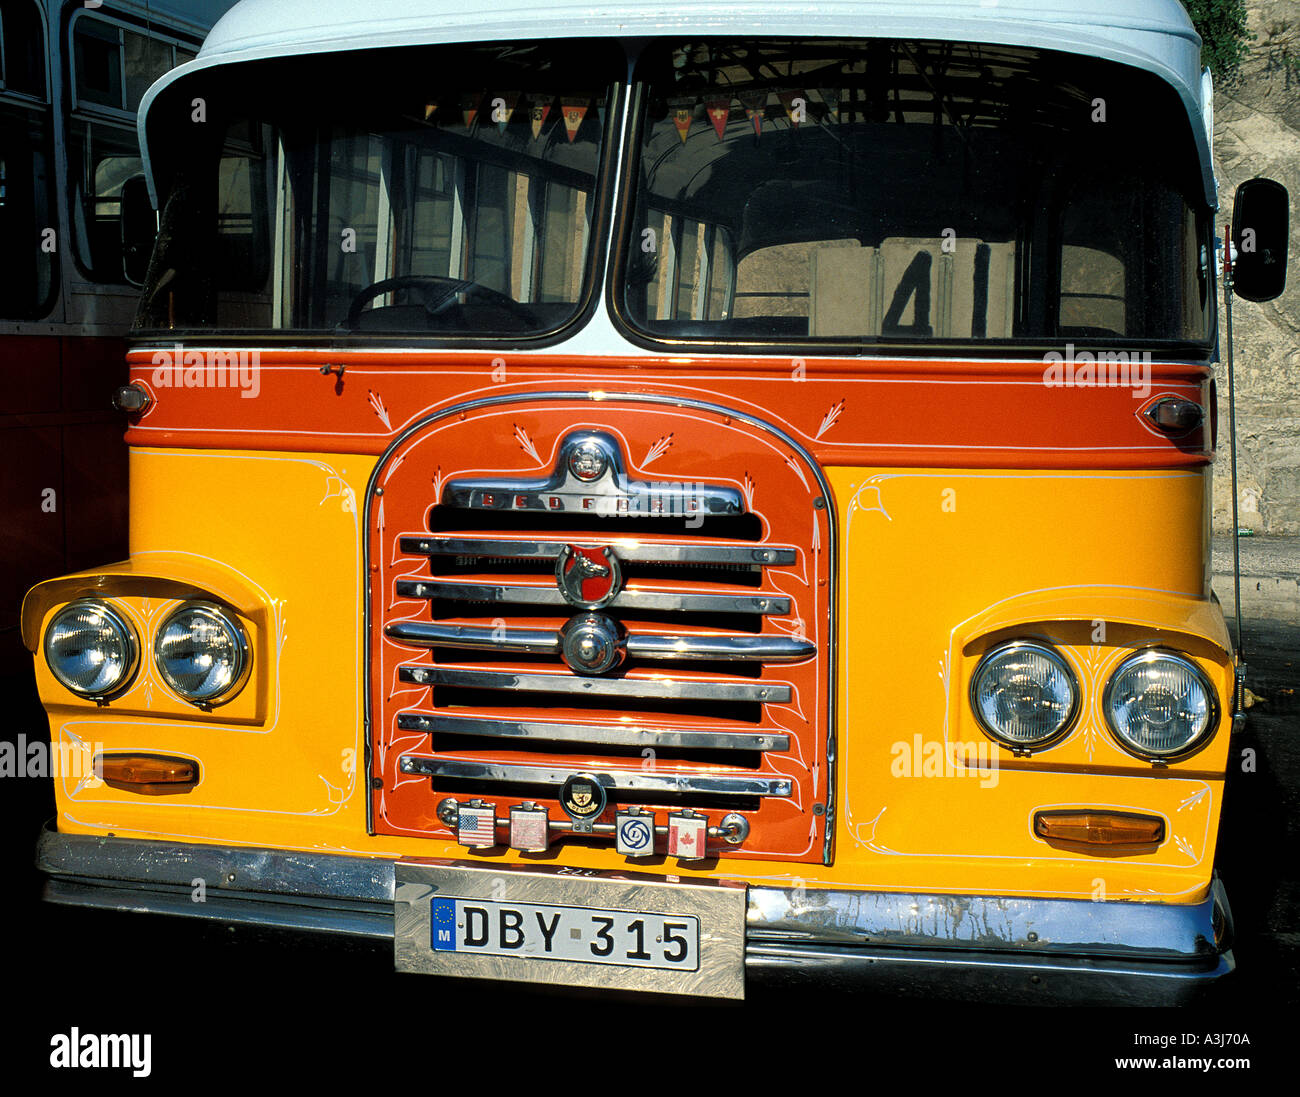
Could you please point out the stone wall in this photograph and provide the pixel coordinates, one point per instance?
(1257, 132)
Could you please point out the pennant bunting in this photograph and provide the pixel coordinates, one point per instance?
(831, 97)
(469, 104)
(537, 112)
(719, 111)
(682, 120)
(503, 108)
(796, 106)
(755, 102)
(574, 111)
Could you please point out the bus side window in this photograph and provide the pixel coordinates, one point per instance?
(27, 260)
(243, 253)
(101, 160)
(22, 67)
(345, 246)
(111, 70)
(919, 287)
(27, 271)
(721, 281)
(492, 228)
(1093, 299)
(426, 236)
(565, 224)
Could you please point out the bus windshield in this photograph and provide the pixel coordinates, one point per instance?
(795, 192)
(444, 190)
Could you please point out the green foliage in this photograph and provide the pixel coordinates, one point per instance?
(1224, 37)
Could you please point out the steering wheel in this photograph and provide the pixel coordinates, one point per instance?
(438, 293)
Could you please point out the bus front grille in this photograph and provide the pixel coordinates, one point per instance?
(683, 670)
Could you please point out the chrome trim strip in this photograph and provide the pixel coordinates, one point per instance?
(672, 602)
(661, 688)
(532, 641)
(985, 977)
(595, 734)
(720, 783)
(659, 399)
(1023, 924)
(1123, 952)
(302, 874)
(767, 649)
(323, 916)
(627, 551)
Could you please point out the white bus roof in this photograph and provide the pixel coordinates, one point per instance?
(1155, 35)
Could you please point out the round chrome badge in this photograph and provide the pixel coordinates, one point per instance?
(592, 643)
(583, 799)
(588, 461)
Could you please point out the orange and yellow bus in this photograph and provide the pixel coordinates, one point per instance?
(655, 499)
(71, 77)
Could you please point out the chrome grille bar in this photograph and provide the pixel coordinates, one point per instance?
(718, 783)
(629, 552)
(530, 641)
(657, 688)
(672, 602)
(766, 649)
(595, 735)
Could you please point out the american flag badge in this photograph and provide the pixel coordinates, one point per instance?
(687, 834)
(529, 828)
(634, 833)
(476, 826)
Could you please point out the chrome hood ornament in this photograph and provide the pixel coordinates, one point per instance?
(590, 477)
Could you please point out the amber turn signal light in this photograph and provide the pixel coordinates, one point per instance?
(1099, 828)
(151, 774)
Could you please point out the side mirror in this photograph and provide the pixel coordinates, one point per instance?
(139, 229)
(1260, 231)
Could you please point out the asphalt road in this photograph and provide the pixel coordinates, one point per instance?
(280, 1006)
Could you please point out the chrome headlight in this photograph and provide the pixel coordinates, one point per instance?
(202, 653)
(91, 649)
(1024, 695)
(1159, 705)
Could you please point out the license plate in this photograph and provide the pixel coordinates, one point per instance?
(549, 932)
(570, 927)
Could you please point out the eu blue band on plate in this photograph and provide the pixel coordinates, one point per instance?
(442, 923)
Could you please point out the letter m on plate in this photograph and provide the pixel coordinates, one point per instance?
(442, 921)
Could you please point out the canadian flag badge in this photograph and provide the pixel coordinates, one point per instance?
(687, 836)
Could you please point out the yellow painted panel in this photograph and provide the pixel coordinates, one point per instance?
(933, 564)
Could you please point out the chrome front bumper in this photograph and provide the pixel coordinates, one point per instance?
(1011, 949)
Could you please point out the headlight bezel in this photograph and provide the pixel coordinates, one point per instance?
(123, 624)
(230, 622)
(1038, 647)
(1154, 654)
